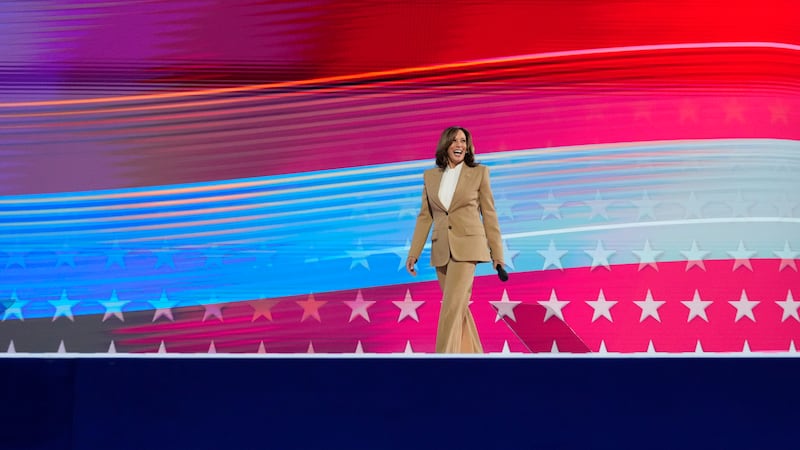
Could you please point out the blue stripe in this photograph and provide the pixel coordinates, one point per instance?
(299, 233)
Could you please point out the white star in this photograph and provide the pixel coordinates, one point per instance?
(699, 347)
(785, 206)
(697, 307)
(551, 207)
(408, 348)
(649, 307)
(509, 255)
(598, 206)
(734, 111)
(787, 257)
(742, 256)
(739, 207)
(63, 306)
(408, 307)
(66, 256)
(359, 256)
(553, 306)
(15, 309)
(789, 307)
(504, 207)
(402, 253)
(311, 307)
(113, 307)
(694, 257)
(506, 349)
(505, 307)
(602, 307)
(693, 207)
(164, 256)
(744, 307)
(16, 257)
(359, 348)
(600, 256)
(552, 256)
(163, 307)
(116, 256)
(213, 308)
(645, 206)
(359, 307)
(647, 256)
(778, 113)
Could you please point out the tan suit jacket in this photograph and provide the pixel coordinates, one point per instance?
(468, 230)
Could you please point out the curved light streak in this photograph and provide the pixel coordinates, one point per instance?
(404, 71)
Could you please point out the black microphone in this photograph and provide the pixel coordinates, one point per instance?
(501, 273)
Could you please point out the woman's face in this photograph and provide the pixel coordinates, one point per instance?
(457, 149)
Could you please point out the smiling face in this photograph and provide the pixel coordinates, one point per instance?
(455, 146)
(457, 149)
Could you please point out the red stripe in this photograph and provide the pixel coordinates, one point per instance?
(287, 332)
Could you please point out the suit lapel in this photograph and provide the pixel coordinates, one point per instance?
(433, 189)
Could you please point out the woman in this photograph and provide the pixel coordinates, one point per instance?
(457, 200)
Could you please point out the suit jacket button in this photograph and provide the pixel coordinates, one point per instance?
(449, 227)
(446, 213)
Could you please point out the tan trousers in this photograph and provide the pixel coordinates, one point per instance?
(456, 332)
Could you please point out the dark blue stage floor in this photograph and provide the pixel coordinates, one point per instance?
(398, 403)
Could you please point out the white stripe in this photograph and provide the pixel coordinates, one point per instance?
(663, 223)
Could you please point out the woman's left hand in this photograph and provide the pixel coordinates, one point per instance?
(410, 266)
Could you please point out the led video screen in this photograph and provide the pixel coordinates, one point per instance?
(244, 177)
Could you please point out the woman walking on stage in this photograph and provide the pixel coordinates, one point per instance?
(457, 200)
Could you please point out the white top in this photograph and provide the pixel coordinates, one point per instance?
(448, 185)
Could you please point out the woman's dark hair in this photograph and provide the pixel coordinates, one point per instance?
(444, 143)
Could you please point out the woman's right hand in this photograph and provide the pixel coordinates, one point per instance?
(410, 266)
